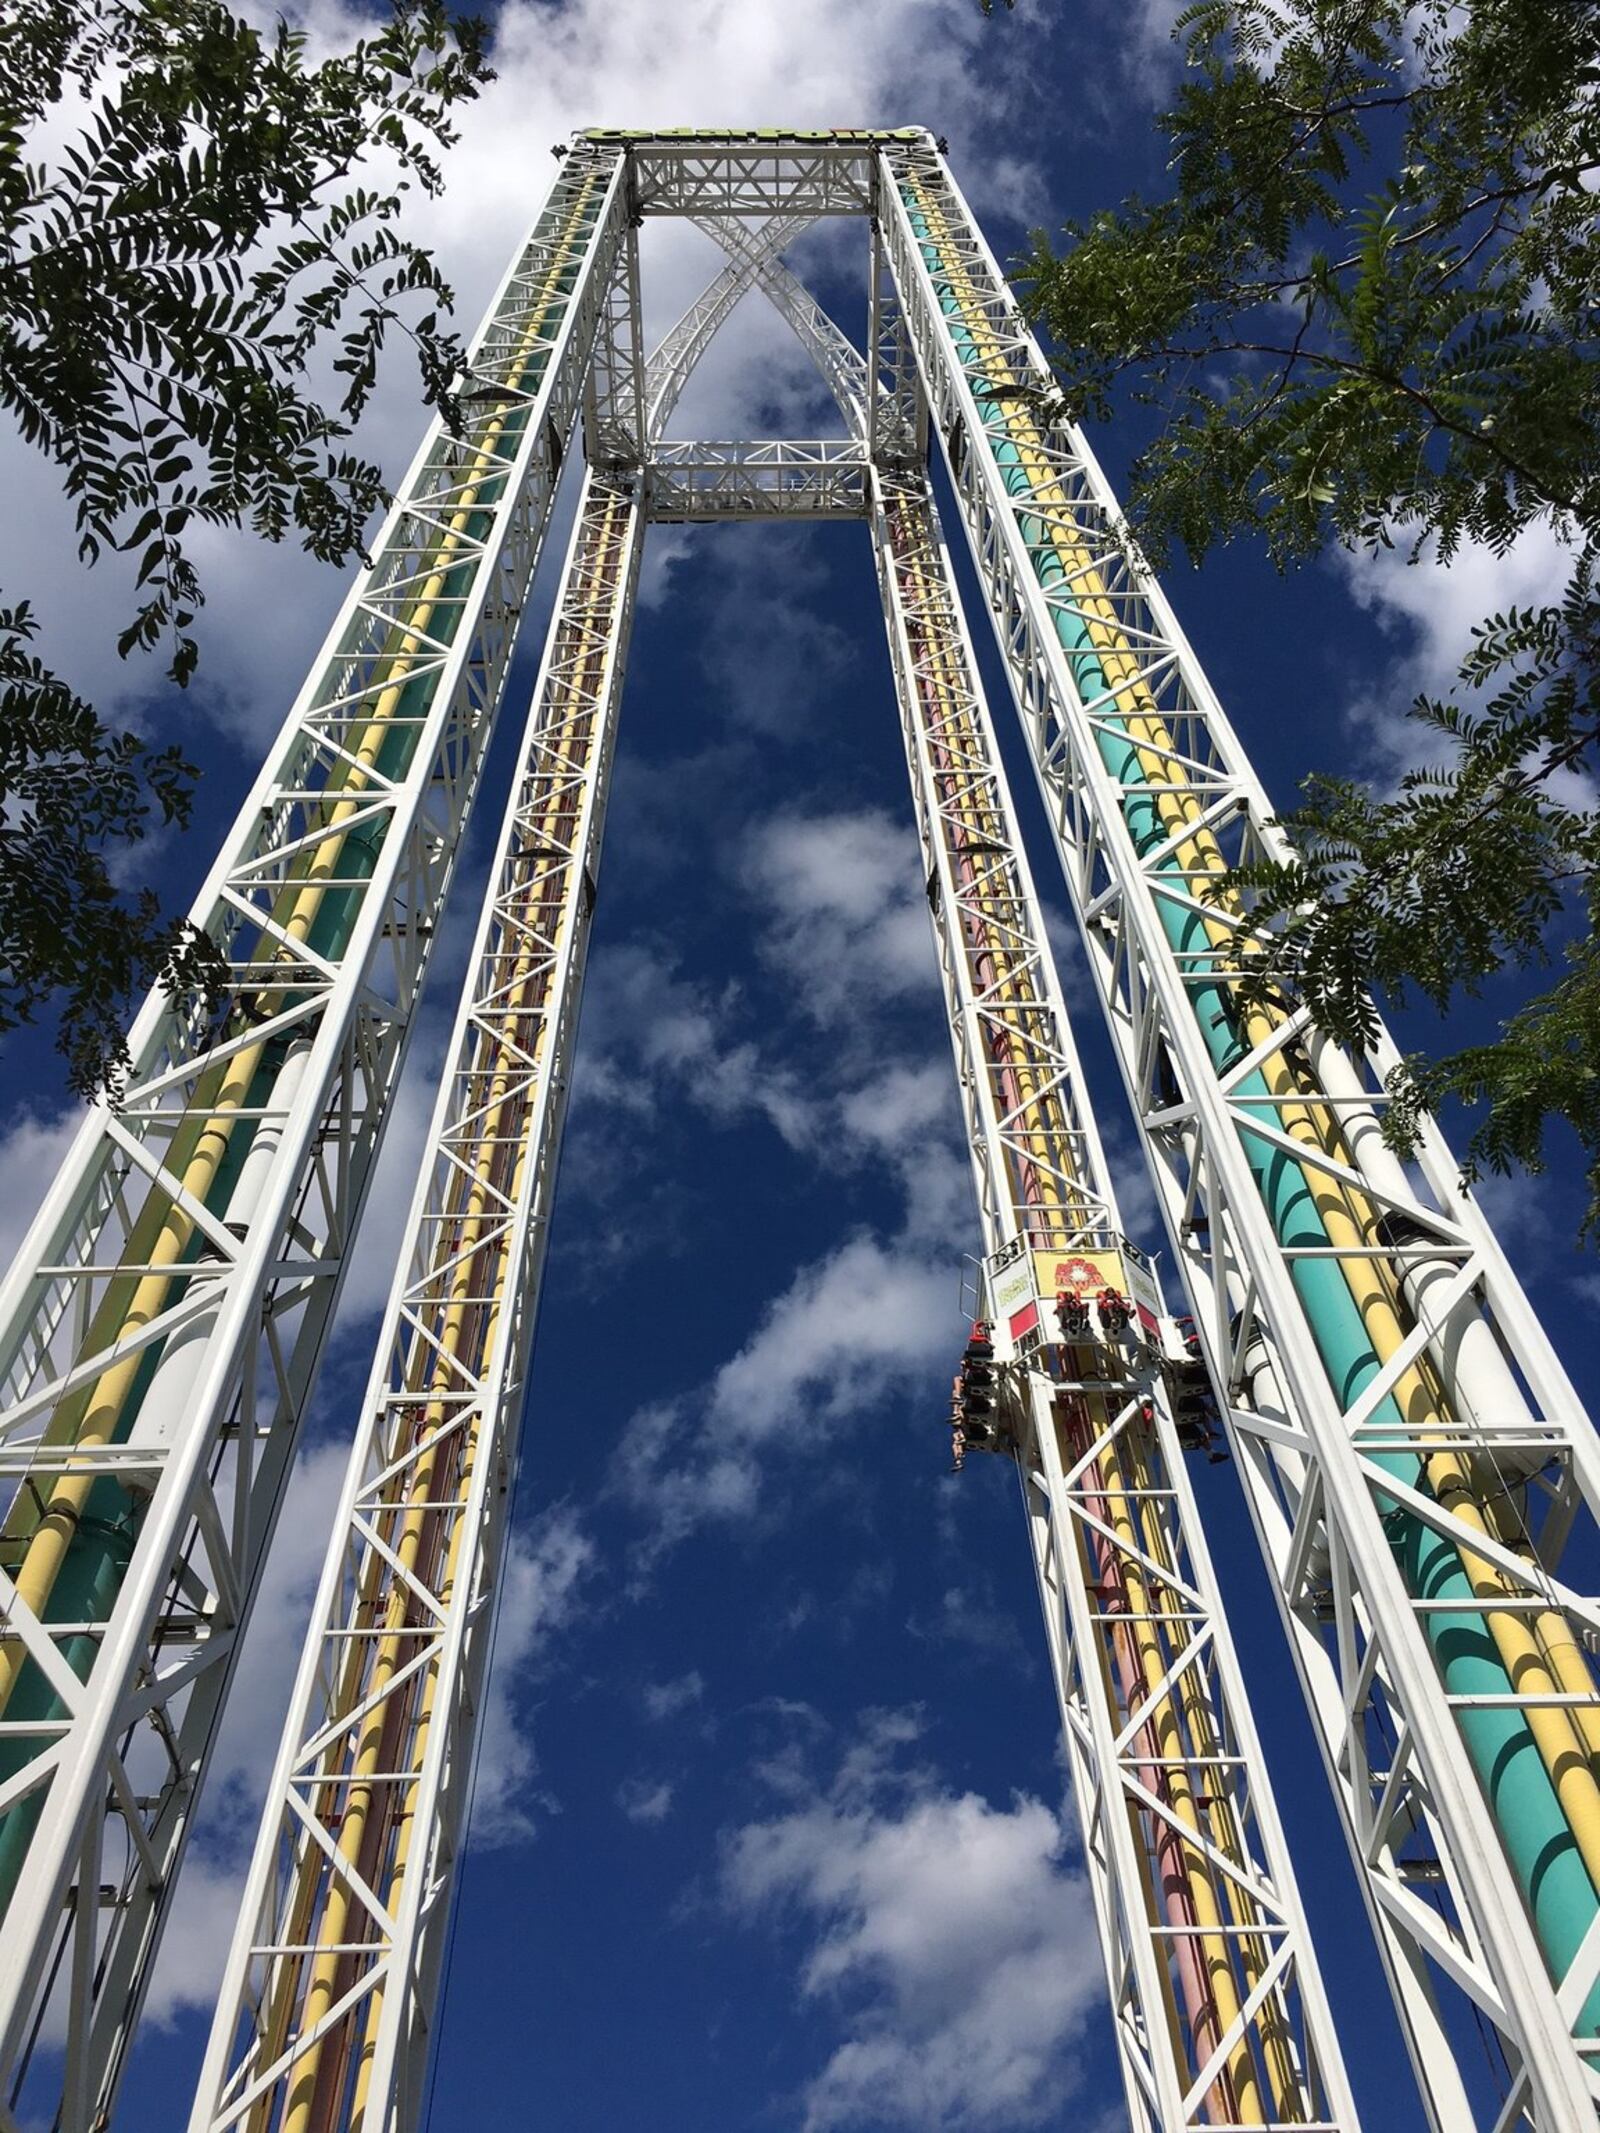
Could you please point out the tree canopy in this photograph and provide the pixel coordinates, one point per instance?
(222, 226)
(1365, 313)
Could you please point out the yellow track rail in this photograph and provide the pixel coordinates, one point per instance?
(164, 1231)
(431, 1491)
(1539, 1653)
(1178, 1727)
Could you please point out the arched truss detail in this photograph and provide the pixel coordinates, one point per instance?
(753, 263)
(692, 479)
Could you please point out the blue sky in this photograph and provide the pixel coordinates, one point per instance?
(770, 1829)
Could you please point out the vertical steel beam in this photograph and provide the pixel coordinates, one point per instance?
(160, 1332)
(897, 406)
(1219, 2011)
(615, 420)
(1443, 1433)
(327, 2003)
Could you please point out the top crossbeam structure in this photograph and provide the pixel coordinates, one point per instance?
(762, 172)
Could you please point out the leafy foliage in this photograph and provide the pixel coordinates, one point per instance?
(70, 787)
(1466, 869)
(1366, 313)
(223, 222)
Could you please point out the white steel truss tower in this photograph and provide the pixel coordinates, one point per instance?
(1416, 1465)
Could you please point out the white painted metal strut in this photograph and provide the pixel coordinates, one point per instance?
(697, 479)
(161, 1329)
(681, 347)
(1192, 1882)
(1114, 708)
(327, 2001)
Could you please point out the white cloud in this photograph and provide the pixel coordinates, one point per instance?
(194, 1947)
(643, 1801)
(31, 1152)
(195, 1943)
(770, 651)
(654, 1039)
(540, 1587)
(1130, 1174)
(1429, 610)
(968, 1617)
(1066, 945)
(260, 1696)
(846, 1333)
(909, 1115)
(848, 919)
(1516, 1204)
(898, 1108)
(656, 1044)
(956, 1947)
(667, 1699)
(649, 1033)
(1436, 604)
(664, 547)
(841, 917)
(1153, 55)
(865, 1324)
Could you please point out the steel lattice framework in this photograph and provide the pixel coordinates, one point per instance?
(1166, 1770)
(161, 1329)
(1448, 1405)
(1415, 1462)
